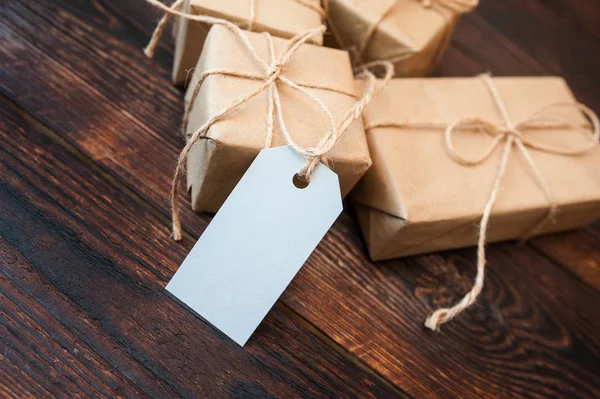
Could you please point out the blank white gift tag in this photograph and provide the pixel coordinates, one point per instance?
(257, 242)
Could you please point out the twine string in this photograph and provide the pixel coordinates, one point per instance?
(272, 77)
(273, 71)
(372, 88)
(511, 134)
(160, 27)
(455, 6)
(175, 9)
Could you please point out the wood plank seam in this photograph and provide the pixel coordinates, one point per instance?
(161, 59)
(567, 270)
(74, 302)
(160, 136)
(344, 224)
(115, 182)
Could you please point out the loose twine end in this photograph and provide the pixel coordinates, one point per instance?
(160, 27)
(511, 134)
(176, 232)
(149, 51)
(151, 46)
(270, 80)
(434, 321)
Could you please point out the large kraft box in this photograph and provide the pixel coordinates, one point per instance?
(215, 165)
(411, 35)
(417, 199)
(281, 18)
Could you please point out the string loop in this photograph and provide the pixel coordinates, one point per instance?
(509, 135)
(175, 9)
(273, 76)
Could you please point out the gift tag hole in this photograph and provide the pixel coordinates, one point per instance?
(299, 182)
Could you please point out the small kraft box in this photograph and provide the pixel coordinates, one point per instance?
(281, 18)
(444, 148)
(216, 163)
(412, 34)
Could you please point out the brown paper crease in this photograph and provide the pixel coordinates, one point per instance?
(412, 35)
(218, 162)
(416, 199)
(281, 18)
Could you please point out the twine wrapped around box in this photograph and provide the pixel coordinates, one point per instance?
(355, 24)
(272, 77)
(510, 134)
(455, 6)
(281, 18)
(248, 25)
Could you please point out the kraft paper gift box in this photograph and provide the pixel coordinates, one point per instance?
(417, 199)
(216, 164)
(413, 34)
(281, 18)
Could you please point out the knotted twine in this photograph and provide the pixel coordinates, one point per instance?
(176, 6)
(454, 6)
(511, 134)
(273, 76)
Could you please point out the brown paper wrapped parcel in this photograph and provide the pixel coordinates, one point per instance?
(413, 34)
(215, 165)
(281, 18)
(417, 199)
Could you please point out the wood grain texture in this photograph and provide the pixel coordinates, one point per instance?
(576, 251)
(537, 38)
(98, 288)
(511, 343)
(77, 67)
(526, 38)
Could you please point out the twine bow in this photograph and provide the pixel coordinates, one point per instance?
(270, 80)
(454, 6)
(510, 134)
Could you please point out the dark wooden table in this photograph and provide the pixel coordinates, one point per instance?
(89, 142)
